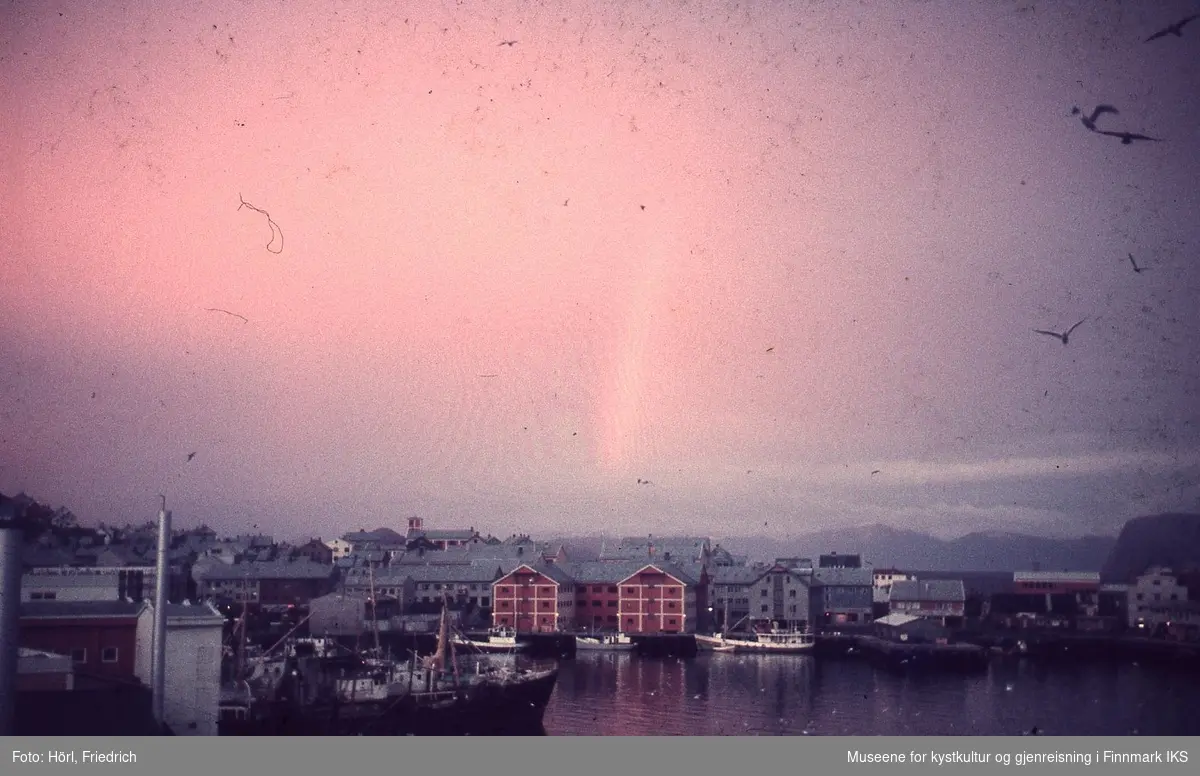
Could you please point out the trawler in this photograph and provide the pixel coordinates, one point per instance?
(775, 641)
(611, 642)
(317, 690)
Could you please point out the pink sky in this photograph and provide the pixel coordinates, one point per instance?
(891, 196)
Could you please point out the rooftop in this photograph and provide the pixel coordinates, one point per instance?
(80, 610)
(929, 590)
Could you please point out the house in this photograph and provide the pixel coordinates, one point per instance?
(388, 581)
(781, 594)
(834, 561)
(909, 629)
(1155, 588)
(466, 586)
(276, 583)
(657, 598)
(883, 583)
(534, 598)
(315, 551)
(339, 548)
(1030, 610)
(939, 599)
(192, 682)
(100, 637)
(729, 596)
(88, 583)
(842, 594)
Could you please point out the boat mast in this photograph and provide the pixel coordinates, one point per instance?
(374, 607)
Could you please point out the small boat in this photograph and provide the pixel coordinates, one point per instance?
(775, 641)
(615, 642)
(499, 640)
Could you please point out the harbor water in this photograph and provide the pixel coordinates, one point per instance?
(731, 694)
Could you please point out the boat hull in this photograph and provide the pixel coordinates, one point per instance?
(486, 709)
(590, 647)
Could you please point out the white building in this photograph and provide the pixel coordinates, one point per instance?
(883, 579)
(193, 670)
(1151, 597)
(341, 548)
(88, 583)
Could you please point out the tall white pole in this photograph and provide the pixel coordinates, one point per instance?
(10, 623)
(162, 579)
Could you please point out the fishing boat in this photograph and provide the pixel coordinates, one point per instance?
(331, 692)
(612, 642)
(775, 641)
(498, 640)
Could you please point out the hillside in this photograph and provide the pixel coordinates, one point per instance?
(1171, 539)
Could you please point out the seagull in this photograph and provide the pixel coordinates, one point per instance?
(875, 472)
(770, 349)
(191, 456)
(1129, 137)
(1090, 121)
(644, 482)
(508, 43)
(1175, 29)
(1062, 336)
(1136, 268)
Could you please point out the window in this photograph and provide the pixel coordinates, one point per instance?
(79, 656)
(612, 589)
(764, 607)
(612, 604)
(792, 594)
(485, 601)
(630, 591)
(670, 604)
(763, 592)
(45, 595)
(108, 655)
(670, 621)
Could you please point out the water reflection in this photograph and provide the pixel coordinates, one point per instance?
(720, 694)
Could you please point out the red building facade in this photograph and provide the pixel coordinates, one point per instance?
(654, 601)
(597, 604)
(530, 600)
(1056, 582)
(100, 637)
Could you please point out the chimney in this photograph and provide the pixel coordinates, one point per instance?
(162, 574)
(10, 623)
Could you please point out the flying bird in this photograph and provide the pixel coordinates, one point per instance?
(1064, 336)
(1136, 268)
(644, 482)
(770, 349)
(191, 456)
(508, 43)
(875, 472)
(1129, 137)
(1175, 29)
(1090, 121)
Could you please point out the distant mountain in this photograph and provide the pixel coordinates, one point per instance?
(882, 545)
(1171, 539)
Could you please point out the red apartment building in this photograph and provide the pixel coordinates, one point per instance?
(651, 600)
(534, 600)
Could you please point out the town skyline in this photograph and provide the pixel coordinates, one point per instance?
(771, 270)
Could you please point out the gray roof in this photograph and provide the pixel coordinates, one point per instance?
(202, 611)
(298, 569)
(80, 609)
(600, 572)
(734, 575)
(459, 572)
(550, 570)
(842, 577)
(929, 590)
